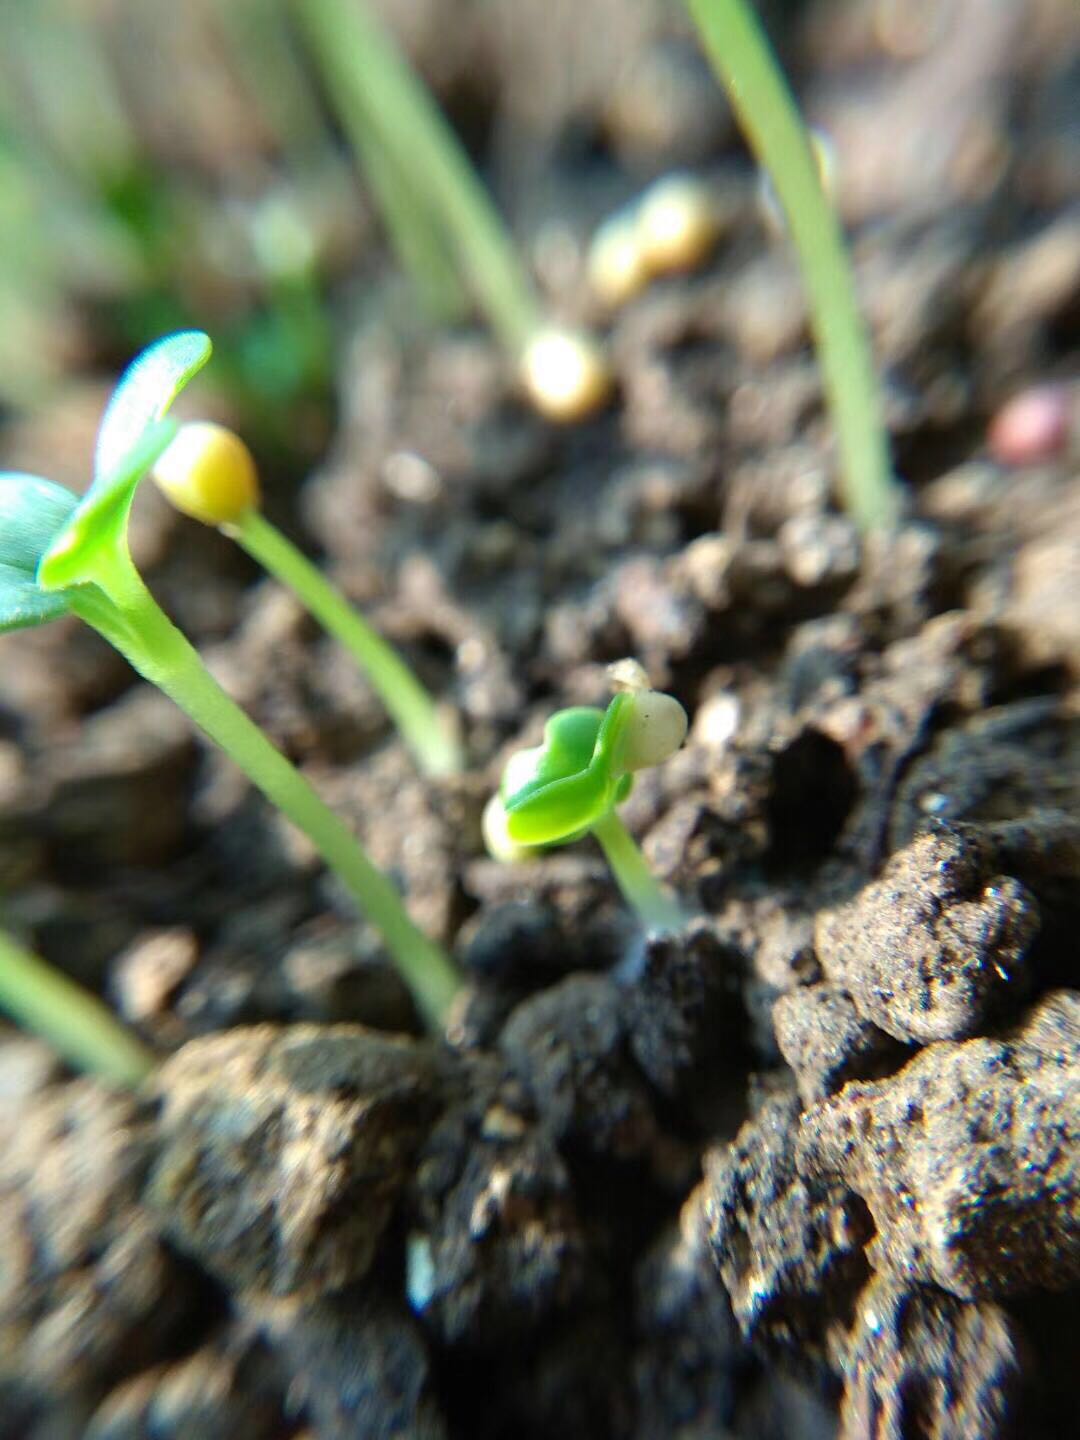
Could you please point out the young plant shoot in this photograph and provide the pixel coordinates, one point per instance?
(74, 1022)
(428, 190)
(209, 474)
(569, 787)
(60, 554)
(739, 51)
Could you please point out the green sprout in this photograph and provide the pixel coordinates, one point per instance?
(437, 208)
(74, 1022)
(569, 786)
(740, 54)
(209, 474)
(60, 554)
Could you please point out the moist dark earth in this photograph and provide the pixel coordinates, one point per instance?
(809, 1168)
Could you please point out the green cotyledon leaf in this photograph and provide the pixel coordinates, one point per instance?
(143, 394)
(557, 791)
(98, 523)
(131, 437)
(559, 810)
(23, 604)
(32, 512)
(569, 741)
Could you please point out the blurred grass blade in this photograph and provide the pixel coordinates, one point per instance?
(741, 56)
(74, 1022)
(370, 80)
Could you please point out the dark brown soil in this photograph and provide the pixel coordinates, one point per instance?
(811, 1168)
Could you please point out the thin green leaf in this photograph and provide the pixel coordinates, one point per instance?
(32, 512)
(23, 604)
(144, 393)
(100, 518)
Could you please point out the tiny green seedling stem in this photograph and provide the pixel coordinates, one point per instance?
(74, 1022)
(361, 61)
(121, 608)
(658, 910)
(61, 555)
(741, 56)
(408, 703)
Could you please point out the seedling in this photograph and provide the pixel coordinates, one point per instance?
(209, 474)
(569, 787)
(60, 555)
(428, 189)
(739, 51)
(75, 1023)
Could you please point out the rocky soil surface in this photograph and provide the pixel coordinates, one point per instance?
(810, 1168)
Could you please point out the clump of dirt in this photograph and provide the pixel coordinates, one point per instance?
(788, 1243)
(90, 1293)
(281, 1153)
(969, 1158)
(926, 952)
(920, 1360)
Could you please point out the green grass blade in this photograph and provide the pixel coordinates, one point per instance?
(356, 53)
(741, 56)
(74, 1022)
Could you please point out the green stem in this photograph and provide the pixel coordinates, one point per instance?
(421, 247)
(409, 704)
(129, 618)
(658, 910)
(72, 1020)
(261, 47)
(360, 60)
(741, 56)
(414, 231)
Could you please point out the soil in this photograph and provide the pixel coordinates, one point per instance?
(809, 1168)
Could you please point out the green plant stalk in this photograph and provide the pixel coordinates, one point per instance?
(121, 608)
(657, 909)
(410, 706)
(261, 39)
(361, 60)
(261, 47)
(741, 55)
(414, 232)
(73, 1021)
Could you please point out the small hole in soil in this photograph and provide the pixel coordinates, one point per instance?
(813, 791)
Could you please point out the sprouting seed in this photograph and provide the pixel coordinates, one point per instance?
(672, 227)
(440, 213)
(570, 785)
(63, 555)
